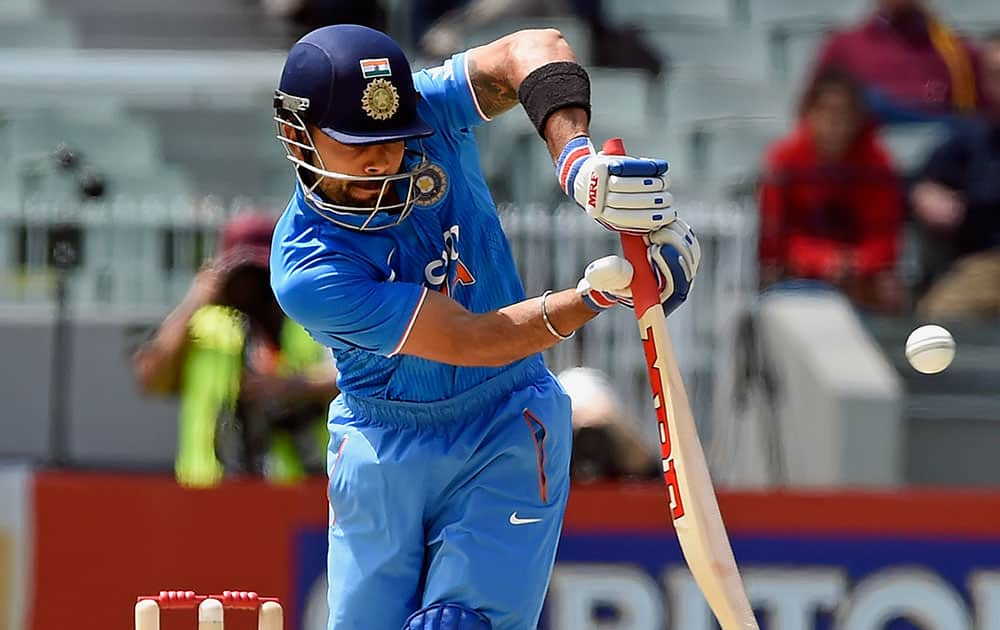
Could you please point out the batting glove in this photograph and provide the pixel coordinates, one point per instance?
(624, 194)
(674, 254)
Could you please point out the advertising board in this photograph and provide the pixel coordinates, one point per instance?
(890, 560)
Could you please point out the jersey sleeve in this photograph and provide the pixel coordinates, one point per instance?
(336, 300)
(447, 92)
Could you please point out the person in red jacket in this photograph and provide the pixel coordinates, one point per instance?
(831, 204)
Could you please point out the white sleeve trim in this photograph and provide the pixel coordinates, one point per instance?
(472, 90)
(409, 326)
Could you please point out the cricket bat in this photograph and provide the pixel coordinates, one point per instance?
(692, 502)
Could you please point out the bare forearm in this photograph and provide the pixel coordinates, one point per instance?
(517, 331)
(445, 332)
(564, 125)
(156, 363)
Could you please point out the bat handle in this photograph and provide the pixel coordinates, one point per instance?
(644, 289)
(613, 146)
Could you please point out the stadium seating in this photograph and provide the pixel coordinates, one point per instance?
(654, 13)
(793, 51)
(624, 97)
(226, 151)
(970, 13)
(15, 9)
(101, 78)
(740, 60)
(177, 24)
(769, 12)
(712, 44)
(697, 93)
(34, 32)
(728, 151)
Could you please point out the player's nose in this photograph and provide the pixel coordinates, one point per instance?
(379, 159)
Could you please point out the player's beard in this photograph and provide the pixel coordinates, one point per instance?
(363, 195)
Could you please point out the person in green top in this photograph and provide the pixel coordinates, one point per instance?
(253, 385)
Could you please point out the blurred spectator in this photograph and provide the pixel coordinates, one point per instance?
(957, 199)
(442, 26)
(606, 441)
(914, 67)
(253, 385)
(831, 206)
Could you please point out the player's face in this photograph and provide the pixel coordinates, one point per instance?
(373, 160)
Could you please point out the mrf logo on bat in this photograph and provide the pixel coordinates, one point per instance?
(660, 405)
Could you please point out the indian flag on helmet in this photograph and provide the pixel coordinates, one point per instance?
(371, 68)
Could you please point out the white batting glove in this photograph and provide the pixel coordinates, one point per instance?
(673, 252)
(624, 194)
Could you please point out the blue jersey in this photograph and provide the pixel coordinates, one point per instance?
(359, 293)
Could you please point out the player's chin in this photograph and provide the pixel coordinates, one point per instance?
(363, 196)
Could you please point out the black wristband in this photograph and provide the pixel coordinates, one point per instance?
(552, 87)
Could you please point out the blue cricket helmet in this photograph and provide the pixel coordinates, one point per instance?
(358, 84)
(354, 84)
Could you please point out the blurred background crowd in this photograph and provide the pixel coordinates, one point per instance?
(840, 162)
(845, 154)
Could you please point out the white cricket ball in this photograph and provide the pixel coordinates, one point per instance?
(930, 349)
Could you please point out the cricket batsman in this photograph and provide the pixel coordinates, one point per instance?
(450, 443)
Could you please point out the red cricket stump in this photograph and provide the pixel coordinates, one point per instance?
(210, 608)
(691, 496)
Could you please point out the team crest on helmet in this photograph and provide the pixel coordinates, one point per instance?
(380, 99)
(431, 185)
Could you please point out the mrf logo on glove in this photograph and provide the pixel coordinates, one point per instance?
(595, 182)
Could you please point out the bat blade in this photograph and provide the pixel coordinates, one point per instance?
(693, 505)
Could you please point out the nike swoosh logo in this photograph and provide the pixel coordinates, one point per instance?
(517, 520)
